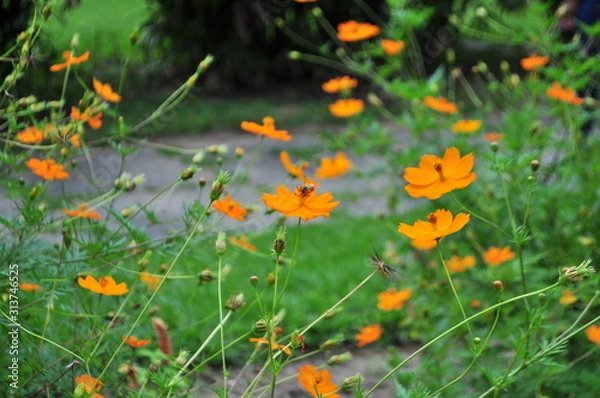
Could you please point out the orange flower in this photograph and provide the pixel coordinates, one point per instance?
(305, 1)
(534, 62)
(369, 334)
(242, 242)
(457, 264)
(346, 107)
(593, 334)
(563, 94)
(83, 212)
(134, 342)
(355, 31)
(392, 47)
(230, 208)
(48, 169)
(105, 285)
(440, 104)
(493, 136)
(332, 168)
(343, 84)
(105, 91)
(70, 60)
(423, 244)
(440, 224)
(495, 256)
(274, 345)
(567, 297)
(317, 382)
(267, 129)
(31, 135)
(94, 120)
(435, 177)
(151, 281)
(29, 287)
(393, 299)
(466, 126)
(291, 168)
(303, 203)
(91, 385)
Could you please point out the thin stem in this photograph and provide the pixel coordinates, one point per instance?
(222, 332)
(452, 329)
(456, 296)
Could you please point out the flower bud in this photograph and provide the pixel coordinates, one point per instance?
(254, 280)
(218, 186)
(271, 278)
(202, 182)
(205, 276)
(235, 302)
(494, 146)
(351, 382)
(280, 240)
(47, 12)
(260, 326)
(134, 37)
(483, 68)
(221, 244)
(187, 173)
(505, 66)
(498, 286)
(481, 12)
(317, 12)
(294, 55)
(454, 19)
(515, 79)
(339, 359)
(535, 165)
(451, 56)
(374, 100)
(239, 152)
(182, 357)
(330, 344)
(572, 275)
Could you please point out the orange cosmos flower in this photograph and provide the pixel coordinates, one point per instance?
(48, 169)
(435, 177)
(343, 84)
(317, 382)
(534, 62)
(423, 244)
(83, 212)
(346, 107)
(495, 255)
(105, 91)
(440, 223)
(564, 94)
(242, 242)
(134, 342)
(291, 168)
(567, 297)
(230, 208)
(105, 285)
(332, 168)
(31, 135)
(70, 60)
(93, 119)
(274, 345)
(392, 47)
(91, 385)
(355, 31)
(369, 334)
(466, 126)
(303, 202)
(593, 334)
(440, 104)
(493, 136)
(29, 287)
(267, 129)
(151, 281)
(305, 1)
(393, 299)
(457, 264)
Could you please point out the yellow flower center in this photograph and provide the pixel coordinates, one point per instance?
(438, 167)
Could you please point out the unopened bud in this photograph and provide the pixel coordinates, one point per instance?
(294, 55)
(481, 12)
(451, 56)
(330, 344)
(187, 173)
(339, 359)
(182, 357)
(505, 66)
(483, 68)
(221, 244)
(205, 276)
(202, 182)
(374, 99)
(254, 280)
(271, 278)
(133, 37)
(260, 326)
(498, 286)
(47, 12)
(317, 12)
(494, 146)
(351, 382)
(280, 240)
(218, 186)
(235, 302)
(515, 79)
(535, 165)
(239, 152)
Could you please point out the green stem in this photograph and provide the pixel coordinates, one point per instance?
(222, 332)
(452, 329)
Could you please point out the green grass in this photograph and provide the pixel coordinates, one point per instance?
(103, 26)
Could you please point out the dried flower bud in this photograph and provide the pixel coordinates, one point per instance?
(339, 359)
(235, 302)
(571, 275)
